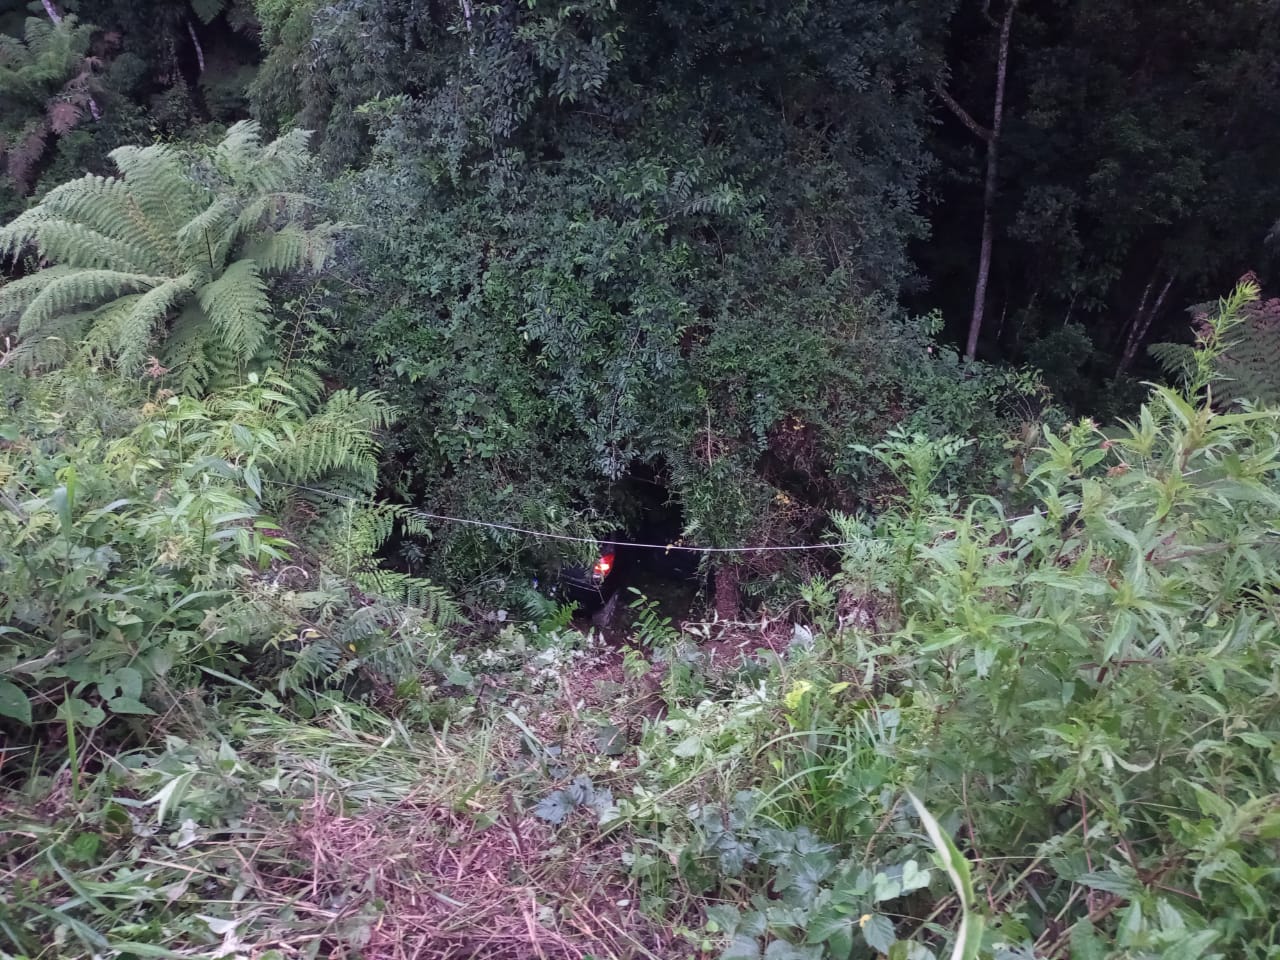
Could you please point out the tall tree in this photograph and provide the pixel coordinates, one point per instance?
(1132, 169)
(620, 234)
(991, 137)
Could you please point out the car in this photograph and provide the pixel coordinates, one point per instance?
(589, 585)
(597, 587)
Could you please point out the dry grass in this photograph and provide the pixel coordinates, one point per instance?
(432, 883)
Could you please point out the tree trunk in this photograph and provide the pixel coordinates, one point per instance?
(1142, 318)
(989, 187)
(728, 601)
(56, 17)
(195, 41)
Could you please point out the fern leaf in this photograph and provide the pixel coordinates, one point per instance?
(1252, 362)
(106, 205)
(281, 251)
(54, 345)
(16, 295)
(1176, 359)
(188, 348)
(237, 307)
(204, 238)
(73, 290)
(131, 337)
(158, 184)
(65, 242)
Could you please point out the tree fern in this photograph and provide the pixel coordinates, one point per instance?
(45, 90)
(1252, 362)
(169, 259)
(1246, 363)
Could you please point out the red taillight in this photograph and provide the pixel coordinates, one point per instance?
(603, 565)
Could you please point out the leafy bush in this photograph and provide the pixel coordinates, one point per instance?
(138, 558)
(1081, 687)
(1085, 686)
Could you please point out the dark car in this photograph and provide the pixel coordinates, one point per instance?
(589, 585)
(595, 587)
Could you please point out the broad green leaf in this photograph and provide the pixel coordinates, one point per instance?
(130, 682)
(723, 918)
(85, 714)
(129, 705)
(742, 948)
(877, 931)
(13, 702)
(913, 878)
(836, 932)
(1085, 943)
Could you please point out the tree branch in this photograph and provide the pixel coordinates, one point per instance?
(196, 41)
(981, 132)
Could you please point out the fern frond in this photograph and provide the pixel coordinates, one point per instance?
(73, 290)
(280, 251)
(240, 148)
(1252, 362)
(78, 244)
(158, 184)
(262, 211)
(237, 307)
(106, 205)
(187, 351)
(16, 295)
(131, 332)
(205, 237)
(57, 339)
(143, 245)
(1175, 359)
(339, 438)
(23, 230)
(434, 602)
(281, 162)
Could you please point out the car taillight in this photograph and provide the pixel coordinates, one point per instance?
(603, 566)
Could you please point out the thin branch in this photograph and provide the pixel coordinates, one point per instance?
(52, 11)
(981, 132)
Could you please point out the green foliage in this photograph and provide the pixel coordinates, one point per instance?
(1164, 110)
(1088, 680)
(169, 259)
(138, 554)
(1082, 690)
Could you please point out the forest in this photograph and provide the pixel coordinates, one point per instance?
(656, 479)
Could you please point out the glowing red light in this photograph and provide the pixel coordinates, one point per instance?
(603, 565)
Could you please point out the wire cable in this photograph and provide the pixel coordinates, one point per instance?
(568, 538)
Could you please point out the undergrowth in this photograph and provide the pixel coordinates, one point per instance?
(1043, 725)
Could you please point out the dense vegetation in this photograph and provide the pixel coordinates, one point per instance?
(957, 304)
